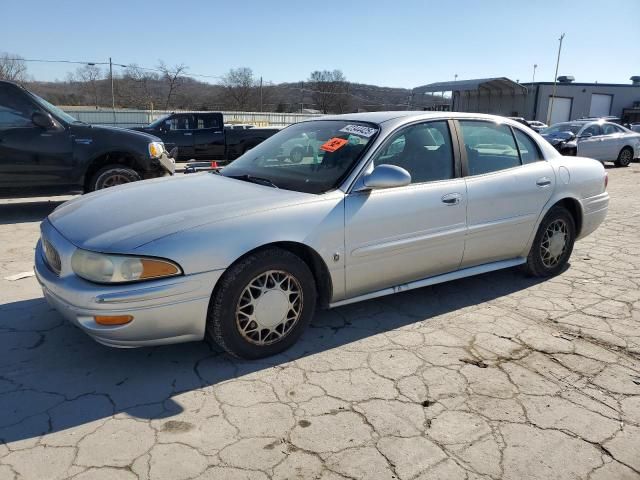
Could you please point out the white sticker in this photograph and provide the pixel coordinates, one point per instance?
(359, 130)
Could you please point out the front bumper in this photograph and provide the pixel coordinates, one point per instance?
(167, 163)
(165, 311)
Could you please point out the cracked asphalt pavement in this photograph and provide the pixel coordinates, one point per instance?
(494, 377)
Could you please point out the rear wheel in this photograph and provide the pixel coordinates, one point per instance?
(624, 157)
(113, 175)
(262, 304)
(553, 243)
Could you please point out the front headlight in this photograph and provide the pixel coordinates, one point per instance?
(156, 149)
(103, 268)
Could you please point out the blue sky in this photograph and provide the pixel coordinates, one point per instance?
(401, 43)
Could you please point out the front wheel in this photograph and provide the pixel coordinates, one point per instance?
(113, 175)
(553, 243)
(624, 157)
(262, 304)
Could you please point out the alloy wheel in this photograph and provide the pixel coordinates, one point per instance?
(269, 307)
(113, 180)
(554, 243)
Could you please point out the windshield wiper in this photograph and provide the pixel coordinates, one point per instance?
(252, 179)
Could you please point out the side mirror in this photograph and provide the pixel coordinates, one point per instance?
(586, 135)
(385, 176)
(43, 120)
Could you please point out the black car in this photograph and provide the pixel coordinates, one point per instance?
(43, 147)
(203, 136)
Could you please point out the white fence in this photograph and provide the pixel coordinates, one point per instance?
(138, 118)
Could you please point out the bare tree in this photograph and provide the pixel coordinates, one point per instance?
(329, 90)
(239, 86)
(138, 87)
(13, 68)
(90, 77)
(173, 77)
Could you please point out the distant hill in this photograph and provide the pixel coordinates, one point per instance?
(190, 94)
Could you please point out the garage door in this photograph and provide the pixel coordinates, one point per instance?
(600, 105)
(561, 109)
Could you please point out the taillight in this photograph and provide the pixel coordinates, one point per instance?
(606, 180)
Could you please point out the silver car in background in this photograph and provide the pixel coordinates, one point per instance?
(387, 202)
(601, 140)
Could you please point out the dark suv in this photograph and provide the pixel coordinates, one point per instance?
(42, 146)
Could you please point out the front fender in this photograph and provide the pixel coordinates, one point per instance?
(317, 225)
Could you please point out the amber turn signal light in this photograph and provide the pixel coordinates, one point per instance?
(112, 319)
(152, 268)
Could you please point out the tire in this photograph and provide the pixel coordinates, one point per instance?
(545, 259)
(624, 157)
(296, 155)
(113, 175)
(235, 311)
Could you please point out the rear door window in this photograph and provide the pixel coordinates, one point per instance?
(529, 151)
(206, 120)
(490, 147)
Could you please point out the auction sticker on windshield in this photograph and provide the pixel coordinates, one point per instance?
(333, 144)
(360, 130)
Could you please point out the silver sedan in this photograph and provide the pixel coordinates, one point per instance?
(389, 201)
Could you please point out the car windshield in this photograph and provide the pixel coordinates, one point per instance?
(55, 110)
(311, 157)
(564, 127)
(158, 121)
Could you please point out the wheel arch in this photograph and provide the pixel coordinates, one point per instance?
(574, 207)
(117, 157)
(308, 255)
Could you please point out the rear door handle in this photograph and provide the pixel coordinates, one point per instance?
(451, 198)
(189, 133)
(543, 182)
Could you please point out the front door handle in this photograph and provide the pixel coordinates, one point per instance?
(188, 133)
(451, 198)
(543, 182)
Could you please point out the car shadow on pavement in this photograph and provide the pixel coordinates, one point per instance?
(27, 211)
(54, 379)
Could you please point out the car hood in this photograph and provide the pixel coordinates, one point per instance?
(122, 218)
(558, 136)
(140, 134)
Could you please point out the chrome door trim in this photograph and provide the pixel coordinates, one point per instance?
(425, 282)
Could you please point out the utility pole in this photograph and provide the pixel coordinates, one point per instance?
(113, 97)
(260, 93)
(301, 97)
(533, 79)
(555, 81)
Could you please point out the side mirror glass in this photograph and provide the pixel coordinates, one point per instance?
(43, 120)
(386, 176)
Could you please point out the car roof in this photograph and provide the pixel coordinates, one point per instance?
(407, 115)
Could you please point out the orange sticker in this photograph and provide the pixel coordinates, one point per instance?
(333, 144)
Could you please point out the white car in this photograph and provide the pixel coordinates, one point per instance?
(601, 140)
(393, 201)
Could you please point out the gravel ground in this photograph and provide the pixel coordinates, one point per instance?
(497, 376)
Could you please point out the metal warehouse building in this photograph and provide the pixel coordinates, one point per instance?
(502, 96)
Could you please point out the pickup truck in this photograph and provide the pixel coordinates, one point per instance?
(42, 147)
(203, 136)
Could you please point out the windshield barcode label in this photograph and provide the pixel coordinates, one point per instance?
(359, 130)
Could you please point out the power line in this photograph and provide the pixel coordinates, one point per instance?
(91, 63)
